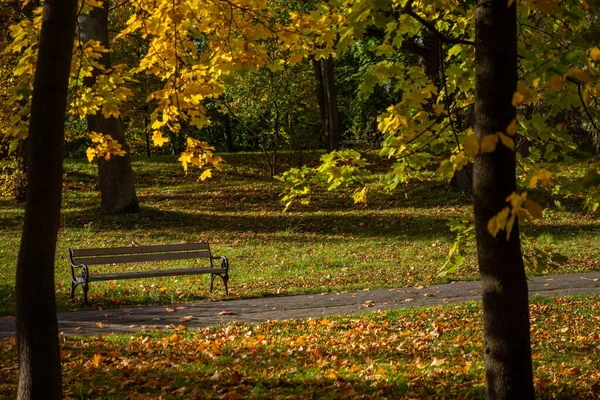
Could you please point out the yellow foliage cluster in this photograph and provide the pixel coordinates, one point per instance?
(103, 146)
(520, 207)
(200, 154)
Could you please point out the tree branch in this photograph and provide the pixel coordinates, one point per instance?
(442, 37)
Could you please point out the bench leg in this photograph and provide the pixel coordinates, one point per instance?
(225, 279)
(73, 286)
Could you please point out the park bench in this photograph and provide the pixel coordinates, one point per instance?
(83, 258)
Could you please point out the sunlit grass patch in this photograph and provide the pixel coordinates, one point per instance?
(329, 245)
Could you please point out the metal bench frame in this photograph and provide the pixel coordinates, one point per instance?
(83, 258)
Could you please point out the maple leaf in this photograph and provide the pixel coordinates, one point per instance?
(159, 139)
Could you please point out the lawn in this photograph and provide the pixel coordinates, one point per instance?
(427, 353)
(329, 245)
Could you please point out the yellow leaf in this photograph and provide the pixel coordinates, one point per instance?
(175, 338)
(517, 99)
(511, 129)
(91, 154)
(488, 143)
(509, 226)
(109, 109)
(543, 176)
(536, 82)
(159, 139)
(97, 359)
(100, 325)
(533, 208)
(471, 145)
(206, 174)
(522, 95)
(498, 221)
(555, 82)
(580, 75)
(595, 54)
(507, 141)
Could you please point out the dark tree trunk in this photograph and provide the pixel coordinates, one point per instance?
(147, 134)
(332, 106)
(37, 328)
(226, 126)
(508, 367)
(115, 176)
(327, 97)
(275, 143)
(323, 106)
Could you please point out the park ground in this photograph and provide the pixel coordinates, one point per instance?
(329, 246)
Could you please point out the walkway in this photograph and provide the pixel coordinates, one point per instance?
(203, 314)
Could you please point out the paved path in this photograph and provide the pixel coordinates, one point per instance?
(202, 314)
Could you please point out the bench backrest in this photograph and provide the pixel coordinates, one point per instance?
(118, 255)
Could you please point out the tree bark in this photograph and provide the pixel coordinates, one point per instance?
(36, 324)
(323, 105)
(327, 97)
(332, 106)
(115, 176)
(226, 126)
(508, 367)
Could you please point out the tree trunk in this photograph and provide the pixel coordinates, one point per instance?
(147, 134)
(275, 143)
(226, 126)
(37, 328)
(332, 106)
(508, 367)
(321, 97)
(115, 177)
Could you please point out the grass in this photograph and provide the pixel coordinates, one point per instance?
(330, 245)
(415, 353)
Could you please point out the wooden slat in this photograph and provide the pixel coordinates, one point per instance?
(141, 249)
(118, 259)
(149, 274)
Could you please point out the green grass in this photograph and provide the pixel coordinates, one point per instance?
(330, 245)
(415, 353)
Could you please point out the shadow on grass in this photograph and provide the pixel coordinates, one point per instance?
(177, 223)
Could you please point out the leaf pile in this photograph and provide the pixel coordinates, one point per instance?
(421, 353)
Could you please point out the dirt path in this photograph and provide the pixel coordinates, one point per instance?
(202, 314)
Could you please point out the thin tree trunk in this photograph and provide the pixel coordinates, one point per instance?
(275, 143)
(321, 97)
(147, 134)
(226, 126)
(508, 367)
(36, 324)
(115, 176)
(332, 106)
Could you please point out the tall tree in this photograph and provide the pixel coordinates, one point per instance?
(327, 96)
(115, 176)
(508, 367)
(37, 328)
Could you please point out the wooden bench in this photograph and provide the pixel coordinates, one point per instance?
(83, 258)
